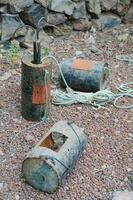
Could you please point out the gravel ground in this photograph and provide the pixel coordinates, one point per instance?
(108, 158)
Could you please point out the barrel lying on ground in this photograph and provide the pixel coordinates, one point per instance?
(85, 75)
(54, 156)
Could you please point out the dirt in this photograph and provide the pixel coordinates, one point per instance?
(107, 160)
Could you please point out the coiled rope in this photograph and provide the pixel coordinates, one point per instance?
(125, 58)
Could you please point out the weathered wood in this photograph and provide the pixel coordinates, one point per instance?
(35, 89)
(54, 156)
(85, 75)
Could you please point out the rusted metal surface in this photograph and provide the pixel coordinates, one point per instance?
(85, 75)
(83, 64)
(40, 94)
(35, 89)
(54, 156)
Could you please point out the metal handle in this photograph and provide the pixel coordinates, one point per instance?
(37, 45)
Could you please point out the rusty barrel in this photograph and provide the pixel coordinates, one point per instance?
(85, 75)
(35, 89)
(54, 156)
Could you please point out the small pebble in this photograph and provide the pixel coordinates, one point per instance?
(28, 137)
(79, 108)
(78, 53)
(1, 186)
(123, 37)
(126, 179)
(130, 135)
(129, 169)
(116, 66)
(104, 166)
(94, 49)
(17, 197)
(14, 72)
(116, 120)
(1, 124)
(96, 116)
(5, 76)
(102, 137)
(117, 132)
(1, 152)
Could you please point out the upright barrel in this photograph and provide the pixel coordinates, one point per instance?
(85, 75)
(54, 156)
(35, 89)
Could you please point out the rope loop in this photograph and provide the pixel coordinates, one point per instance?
(125, 58)
(125, 91)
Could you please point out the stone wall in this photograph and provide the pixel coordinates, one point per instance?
(78, 15)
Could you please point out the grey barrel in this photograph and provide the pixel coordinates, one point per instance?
(54, 156)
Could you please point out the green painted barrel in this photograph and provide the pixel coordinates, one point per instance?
(85, 75)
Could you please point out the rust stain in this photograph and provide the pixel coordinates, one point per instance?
(83, 64)
(41, 94)
(48, 142)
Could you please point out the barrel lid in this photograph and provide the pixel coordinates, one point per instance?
(40, 174)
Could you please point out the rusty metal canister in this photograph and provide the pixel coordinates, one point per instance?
(35, 89)
(54, 156)
(85, 75)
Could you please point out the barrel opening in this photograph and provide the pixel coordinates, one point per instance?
(54, 141)
(32, 62)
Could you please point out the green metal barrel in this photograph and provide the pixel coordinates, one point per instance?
(85, 75)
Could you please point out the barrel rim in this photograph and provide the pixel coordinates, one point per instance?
(27, 60)
(104, 77)
(28, 179)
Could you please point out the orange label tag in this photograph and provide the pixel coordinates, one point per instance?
(41, 94)
(83, 64)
